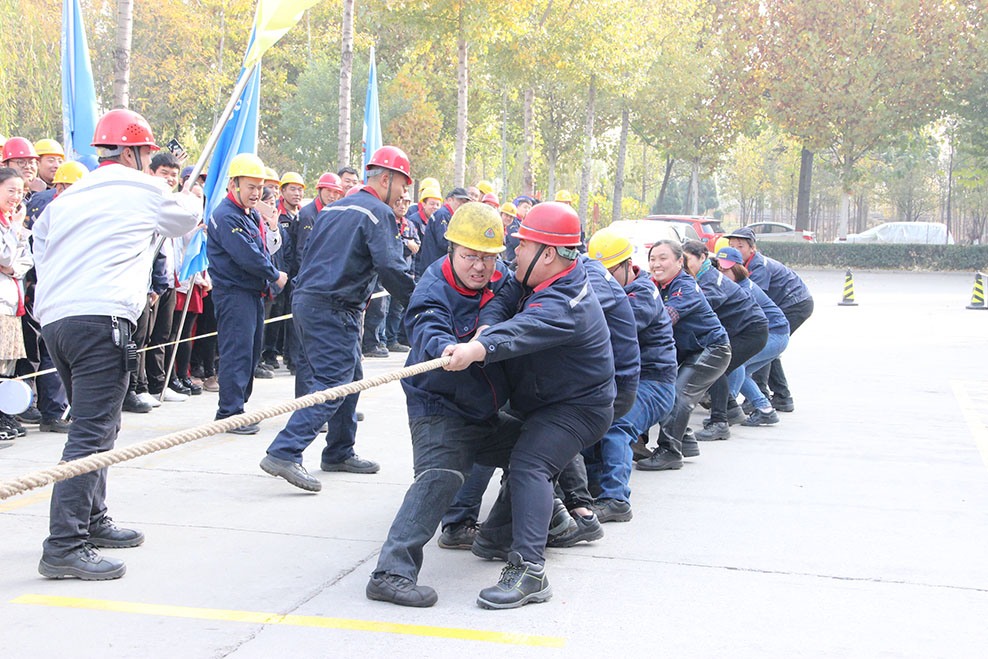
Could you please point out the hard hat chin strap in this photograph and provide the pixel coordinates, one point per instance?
(531, 266)
(137, 158)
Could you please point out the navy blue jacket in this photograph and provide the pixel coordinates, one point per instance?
(620, 322)
(354, 242)
(159, 275)
(783, 286)
(510, 242)
(237, 256)
(36, 204)
(555, 340)
(441, 313)
(284, 258)
(654, 327)
(694, 323)
(777, 321)
(735, 308)
(434, 243)
(301, 231)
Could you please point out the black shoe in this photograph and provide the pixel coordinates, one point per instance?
(292, 472)
(640, 450)
(759, 418)
(747, 408)
(783, 403)
(354, 464)
(662, 459)
(54, 425)
(194, 389)
(689, 446)
(30, 415)
(246, 429)
(561, 522)
(291, 370)
(398, 347)
(715, 431)
(611, 510)
(106, 534)
(262, 373)
(134, 404)
(588, 529)
(735, 415)
(458, 536)
(360, 416)
(198, 372)
(521, 583)
(401, 591)
(10, 423)
(179, 388)
(487, 548)
(705, 402)
(376, 352)
(272, 363)
(84, 563)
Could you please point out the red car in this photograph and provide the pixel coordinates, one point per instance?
(707, 229)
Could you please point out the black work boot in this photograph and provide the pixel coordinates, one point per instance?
(83, 563)
(292, 472)
(735, 415)
(400, 590)
(783, 403)
(587, 529)
(667, 456)
(612, 510)
(489, 547)
(561, 522)
(759, 418)
(689, 446)
(715, 431)
(458, 536)
(106, 534)
(521, 583)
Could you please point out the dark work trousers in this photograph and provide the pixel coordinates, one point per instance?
(204, 349)
(328, 356)
(466, 506)
(772, 378)
(744, 346)
(444, 450)
(696, 375)
(240, 323)
(50, 394)
(183, 350)
(550, 438)
(276, 335)
(138, 378)
(161, 328)
(92, 368)
(394, 323)
(374, 323)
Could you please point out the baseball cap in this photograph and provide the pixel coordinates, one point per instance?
(743, 232)
(728, 256)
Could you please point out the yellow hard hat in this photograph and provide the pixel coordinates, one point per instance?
(47, 147)
(509, 208)
(247, 164)
(429, 182)
(721, 243)
(292, 177)
(429, 192)
(69, 172)
(476, 225)
(485, 187)
(271, 175)
(608, 247)
(564, 196)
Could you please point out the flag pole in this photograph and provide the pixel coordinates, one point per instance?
(178, 335)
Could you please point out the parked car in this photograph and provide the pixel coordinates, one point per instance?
(779, 232)
(913, 233)
(644, 233)
(707, 229)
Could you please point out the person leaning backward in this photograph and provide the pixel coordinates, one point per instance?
(109, 221)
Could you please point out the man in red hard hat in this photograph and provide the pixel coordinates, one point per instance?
(353, 243)
(19, 154)
(108, 221)
(547, 327)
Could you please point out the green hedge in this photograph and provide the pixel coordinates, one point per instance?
(896, 257)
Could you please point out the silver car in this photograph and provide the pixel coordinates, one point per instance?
(779, 232)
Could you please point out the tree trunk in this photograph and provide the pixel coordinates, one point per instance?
(121, 53)
(803, 193)
(527, 177)
(695, 187)
(219, 62)
(462, 82)
(665, 182)
(551, 166)
(504, 146)
(619, 170)
(588, 151)
(845, 203)
(644, 170)
(950, 184)
(346, 74)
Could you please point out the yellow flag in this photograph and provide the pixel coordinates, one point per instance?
(273, 19)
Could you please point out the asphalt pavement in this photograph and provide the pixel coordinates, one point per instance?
(856, 527)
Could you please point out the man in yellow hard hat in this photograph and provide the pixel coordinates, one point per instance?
(430, 200)
(241, 271)
(509, 218)
(454, 418)
(67, 173)
(271, 180)
(50, 157)
(485, 187)
(564, 197)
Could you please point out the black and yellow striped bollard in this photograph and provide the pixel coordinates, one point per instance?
(978, 294)
(848, 300)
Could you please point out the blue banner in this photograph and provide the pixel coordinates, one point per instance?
(78, 91)
(372, 140)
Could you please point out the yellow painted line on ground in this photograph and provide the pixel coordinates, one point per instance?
(973, 419)
(291, 620)
(25, 501)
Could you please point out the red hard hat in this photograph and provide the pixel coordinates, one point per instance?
(491, 200)
(354, 190)
(551, 223)
(18, 147)
(393, 158)
(123, 128)
(331, 181)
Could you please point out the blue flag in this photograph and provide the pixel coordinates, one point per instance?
(78, 91)
(239, 136)
(372, 140)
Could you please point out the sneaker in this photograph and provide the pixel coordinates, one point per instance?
(458, 536)
(7, 436)
(293, 472)
(134, 404)
(106, 534)
(487, 548)
(662, 459)
(172, 396)
(611, 510)
(54, 425)
(84, 563)
(149, 399)
(689, 446)
(211, 384)
(400, 590)
(262, 373)
(377, 352)
(717, 430)
(354, 464)
(588, 529)
(759, 418)
(398, 347)
(561, 522)
(177, 386)
(521, 583)
(194, 389)
(783, 403)
(13, 425)
(30, 415)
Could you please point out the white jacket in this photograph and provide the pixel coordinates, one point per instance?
(15, 253)
(94, 244)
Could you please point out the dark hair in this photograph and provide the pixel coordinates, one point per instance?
(347, 170)
(695, 248)
(7, 173)
(266, 193)
(164, 159)
(674, 245)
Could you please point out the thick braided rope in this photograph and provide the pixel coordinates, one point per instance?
(68, 470)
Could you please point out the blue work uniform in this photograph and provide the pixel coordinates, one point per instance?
(36, 204)
(354, 243)
(277, 336)
(695, 326)
(510, 241)
(241, 272)
(781, 283)
(303, 228)
(434, 243)
(734, 307)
